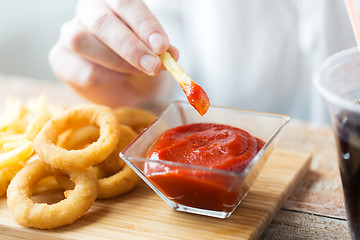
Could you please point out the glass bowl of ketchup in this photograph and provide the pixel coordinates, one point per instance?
(204, 164)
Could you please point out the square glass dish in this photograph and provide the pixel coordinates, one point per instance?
(196, 189)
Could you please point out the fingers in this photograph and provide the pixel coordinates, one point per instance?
(66, 67)
(96, 83)
(105, 50)
(139, 18)
(116, 34)
(77, 39)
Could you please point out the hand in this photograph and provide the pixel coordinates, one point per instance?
(109, 50)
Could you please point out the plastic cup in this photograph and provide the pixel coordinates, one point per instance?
(338, 81)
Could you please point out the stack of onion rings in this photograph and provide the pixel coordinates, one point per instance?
(79, 147)
(114, 176)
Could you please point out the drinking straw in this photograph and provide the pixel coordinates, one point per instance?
(354, 19)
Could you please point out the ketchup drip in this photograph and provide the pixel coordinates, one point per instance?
(196, 96)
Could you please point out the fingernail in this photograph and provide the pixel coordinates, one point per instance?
(148, 63)
(156, 41)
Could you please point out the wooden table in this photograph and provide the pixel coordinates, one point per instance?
(316, 208)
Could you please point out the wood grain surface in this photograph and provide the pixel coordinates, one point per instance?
(141, 214)
(316, 207)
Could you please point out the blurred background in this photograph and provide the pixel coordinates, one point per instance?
(254, 43)
(28, 29)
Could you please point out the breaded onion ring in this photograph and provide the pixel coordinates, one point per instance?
(111, 164)
(75, 139)
(96, 152)
(48, 216)
(136, 118)
(119, 182)
(78, 138)
(125, 179)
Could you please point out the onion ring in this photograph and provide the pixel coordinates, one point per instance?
(125, 179)
(49, 216)
(79, 138)
(96, 152)
(75, 139)
(111, 165)
(119, 182)
(136, 118)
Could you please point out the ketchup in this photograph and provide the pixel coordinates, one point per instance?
(196, 96)
(208, 145)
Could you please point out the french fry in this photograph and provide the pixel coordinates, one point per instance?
(175, 70)
(17, 154)
(10, 172)
(46, 184)
(36, 124)
(9, 146)
(41, 115)
(14, 117)
(40, 103)
(20, 122)
(195, 94)
(12, 138)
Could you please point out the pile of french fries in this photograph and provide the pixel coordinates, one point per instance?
(20, 122)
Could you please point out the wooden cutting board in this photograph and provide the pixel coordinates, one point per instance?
(141, 214)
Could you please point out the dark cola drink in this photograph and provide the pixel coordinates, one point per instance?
(348, 136)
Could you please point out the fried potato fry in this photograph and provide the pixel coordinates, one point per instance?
(36, 124)
(13, 156)
(46, 184)
(41, 116)
(12, 138)
(20, 122)
(8, 146)
(14, 116)
(195, 94)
